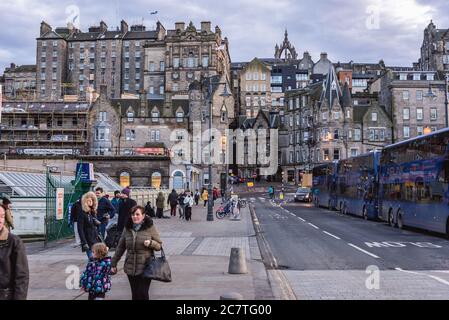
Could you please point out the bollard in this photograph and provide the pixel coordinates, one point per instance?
(237, 262)
(231, 296)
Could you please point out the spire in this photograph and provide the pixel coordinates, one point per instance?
(286, 34)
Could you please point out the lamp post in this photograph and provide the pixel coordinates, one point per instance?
(225, 94)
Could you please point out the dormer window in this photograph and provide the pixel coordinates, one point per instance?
(403, 76)
(179, 116)
(430, 77)
(130, 115)
(155, 116)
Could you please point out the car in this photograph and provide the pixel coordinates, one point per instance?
(303, 194)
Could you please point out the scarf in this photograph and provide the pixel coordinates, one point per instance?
(136, 227)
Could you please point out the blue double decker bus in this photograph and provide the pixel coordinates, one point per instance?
(357, 185)
(413, 183)
(324, 185)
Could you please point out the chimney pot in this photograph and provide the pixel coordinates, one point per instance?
(180, 26)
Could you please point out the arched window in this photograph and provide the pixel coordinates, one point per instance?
(178, 182)
(156, 180)
(125, 179)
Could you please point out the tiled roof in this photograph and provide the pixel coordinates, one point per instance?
(136, 35)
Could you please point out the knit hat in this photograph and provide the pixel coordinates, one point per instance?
(126, 191)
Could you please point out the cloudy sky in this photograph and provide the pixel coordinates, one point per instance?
(362, 30)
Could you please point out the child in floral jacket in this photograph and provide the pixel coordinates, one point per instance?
(96, 279)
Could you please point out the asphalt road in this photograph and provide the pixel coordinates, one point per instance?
(303, 238)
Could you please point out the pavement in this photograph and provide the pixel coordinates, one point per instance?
(324, 255)
(198, 253)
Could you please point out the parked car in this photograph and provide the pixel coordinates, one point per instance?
(303, 194)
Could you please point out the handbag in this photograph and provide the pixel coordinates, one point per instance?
(157, 268)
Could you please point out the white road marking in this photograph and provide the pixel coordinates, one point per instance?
(364, 251)
(314, 226)
(302, 219)
(423, 274)
(333, 236)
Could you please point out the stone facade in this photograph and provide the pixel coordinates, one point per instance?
(434, 49)
(20, 82)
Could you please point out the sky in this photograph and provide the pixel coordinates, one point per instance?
(361, 31)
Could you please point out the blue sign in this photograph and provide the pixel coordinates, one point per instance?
(85, 172)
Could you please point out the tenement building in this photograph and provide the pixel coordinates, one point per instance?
(20, 82)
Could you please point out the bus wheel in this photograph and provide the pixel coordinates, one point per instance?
(365, 213)
(391, 219)
(400, 222)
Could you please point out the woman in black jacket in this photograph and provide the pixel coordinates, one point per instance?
(88, 223)
(14, 275)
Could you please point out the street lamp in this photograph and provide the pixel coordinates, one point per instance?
(225, 94)
(427, 130)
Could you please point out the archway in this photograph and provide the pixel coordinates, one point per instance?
(178, 180)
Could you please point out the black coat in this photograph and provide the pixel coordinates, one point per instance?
(172, 199)
(14, 273)
(124, 212)
(87, 229)
(105, 207)
(76, 211)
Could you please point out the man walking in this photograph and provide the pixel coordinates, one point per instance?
(173, 202)
(182, 205)
(105, 211)
(116, 200)
(197, 197)
(74, 214)
(188, 201)
(126, 204)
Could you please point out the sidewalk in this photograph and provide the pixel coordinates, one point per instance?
(198, 252)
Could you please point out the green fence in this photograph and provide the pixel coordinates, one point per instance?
(57, 228)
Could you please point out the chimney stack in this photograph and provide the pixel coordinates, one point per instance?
(205, 26)
(124, 27)
(323, 56)
(103, 27)
(45, 27)
(179, 26)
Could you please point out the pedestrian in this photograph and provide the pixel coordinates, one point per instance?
(116, 200)
(9, 218)
(188, 202)
(271, 192)
(96, 279)
(74, 214)
(160, 202)
(140, 239)
(223, 195)
(126, 204)
(149, 211)
(182, 206)
(88, 223)
(105, 211)
(197, 197)
(205, 197)
(14, 275)
(173, 202)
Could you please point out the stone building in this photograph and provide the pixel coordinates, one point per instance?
(20, 82)
(414, 100)
(434, 49)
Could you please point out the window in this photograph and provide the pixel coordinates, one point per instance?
(348, 114)
(151, 67)
(102, 116)
(161, 90)
(298, 120)
(291, 157)
(224, 114)
(326, 155)
(419, 114)
(403, 76)
(130, 116)
(162, 66)
(190, 62)
(291, 121)
(374, 116)
(433, 114)
(179, 116)
(276, 89)
(420, 130)
(337, 115)
(256, 88)
(276, 79)
(405, 95)
(205, 61)
(376, 135)
(416, 76)
(264, 76)
(263, 87)
(256, 76)
(290, 104)
(354, 152)
(100, 134)
(336, 154)
(175, 62)
(336, 134)
(430, 77)
(357, 134)
(419, 95)
(406, 132)
(248, 101)
(324, 116)
(155, 116)
(406, 114)
(130, 134)
(248, 76)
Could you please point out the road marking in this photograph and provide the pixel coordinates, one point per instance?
(364, 251)
(333, 236)
(302, 219)
(423, 274)
(314, 226)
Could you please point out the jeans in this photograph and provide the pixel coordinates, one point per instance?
(188, 213)
(77, 235)
(173, 210)
(89, 254)
(182, 210)
(140, 287)
(102, 228)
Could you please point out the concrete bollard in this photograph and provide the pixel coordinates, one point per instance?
(231, 296)
(237, 262)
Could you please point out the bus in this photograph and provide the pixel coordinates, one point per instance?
(413, 183)
(324, 185)
(357, 183)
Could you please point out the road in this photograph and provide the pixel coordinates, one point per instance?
(325, 255)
